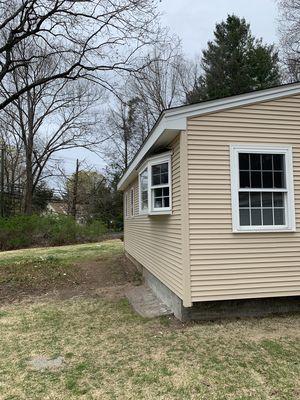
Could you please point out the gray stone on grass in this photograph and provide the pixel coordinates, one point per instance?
(145, 303)
(41, 363)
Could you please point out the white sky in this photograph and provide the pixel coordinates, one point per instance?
(193, 21)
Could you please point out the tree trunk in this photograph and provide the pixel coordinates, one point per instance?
(75, 190)
(29, 184)
(29, 161)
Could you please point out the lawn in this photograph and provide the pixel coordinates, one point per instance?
(111, 353)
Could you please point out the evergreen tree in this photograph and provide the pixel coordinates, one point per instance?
(234, 63)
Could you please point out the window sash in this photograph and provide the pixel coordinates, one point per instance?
(263, 208)
(160, 186)
(288, 190)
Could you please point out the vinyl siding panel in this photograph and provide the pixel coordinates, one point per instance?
(155, 241)
(226, 265)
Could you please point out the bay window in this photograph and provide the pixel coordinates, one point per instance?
(155, 185)
(262, 188)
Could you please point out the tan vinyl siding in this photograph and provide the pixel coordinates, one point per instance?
(155, 241)
(226, 265)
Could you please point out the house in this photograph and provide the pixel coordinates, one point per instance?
(57, 208)
(212, 205)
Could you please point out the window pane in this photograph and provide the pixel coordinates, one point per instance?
(165, 191)
(255, 216)
(255, 200)
(279, 180)
(279, 216)
(255, 161)
(158, 192)
(166, 202)
(244, 217)
(267, 216)
(278, 161)
(267, 161)
(244, 161)
(244, 199)
(278, 200)
(267, 179)
(144, 189)
(267, 200)
(158, 202)
(244, 179)
(256, 179)
(164, 168)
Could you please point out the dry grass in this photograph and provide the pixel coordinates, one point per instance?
(111, 353)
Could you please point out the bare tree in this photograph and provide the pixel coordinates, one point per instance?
(125, 132)
(92, 37)
(48, 118)
(164, 81)
(290, 36)
(162, 84)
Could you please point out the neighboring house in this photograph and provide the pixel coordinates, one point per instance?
(59, 208)
(62, 208)
(212, 203)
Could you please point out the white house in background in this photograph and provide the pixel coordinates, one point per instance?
(212, 205)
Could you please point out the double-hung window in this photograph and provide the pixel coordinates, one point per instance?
(155, 185)
(262, 188)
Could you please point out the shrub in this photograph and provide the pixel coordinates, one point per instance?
(35, 230)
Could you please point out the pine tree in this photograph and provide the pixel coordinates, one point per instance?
(234, 63)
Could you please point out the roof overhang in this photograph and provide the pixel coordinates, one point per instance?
(174, 120)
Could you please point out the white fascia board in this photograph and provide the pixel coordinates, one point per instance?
(176, 118)
(235, 101)
(163, 125)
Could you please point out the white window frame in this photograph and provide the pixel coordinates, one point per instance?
(148, 164)
(235, 150)
(131, 205)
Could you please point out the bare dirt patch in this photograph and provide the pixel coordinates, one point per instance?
(106, 275)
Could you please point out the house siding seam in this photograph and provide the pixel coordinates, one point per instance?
(155, 241)
(226, 265)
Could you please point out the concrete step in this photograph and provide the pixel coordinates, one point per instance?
(145, 303)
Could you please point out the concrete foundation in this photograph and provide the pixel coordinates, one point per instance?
(212, 310)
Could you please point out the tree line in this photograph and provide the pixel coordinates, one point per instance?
(97, 74)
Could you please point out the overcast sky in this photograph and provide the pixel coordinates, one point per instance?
(194, 22)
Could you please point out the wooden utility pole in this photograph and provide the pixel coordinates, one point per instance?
(75, 191)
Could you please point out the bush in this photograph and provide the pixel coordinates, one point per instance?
(46, 230)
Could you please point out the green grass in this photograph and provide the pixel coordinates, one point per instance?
(63, 254)
(111, 353)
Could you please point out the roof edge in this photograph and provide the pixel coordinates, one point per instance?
(175, 118)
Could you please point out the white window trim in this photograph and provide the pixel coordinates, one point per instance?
(159, 159)
(235, 149)
(131, 202)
